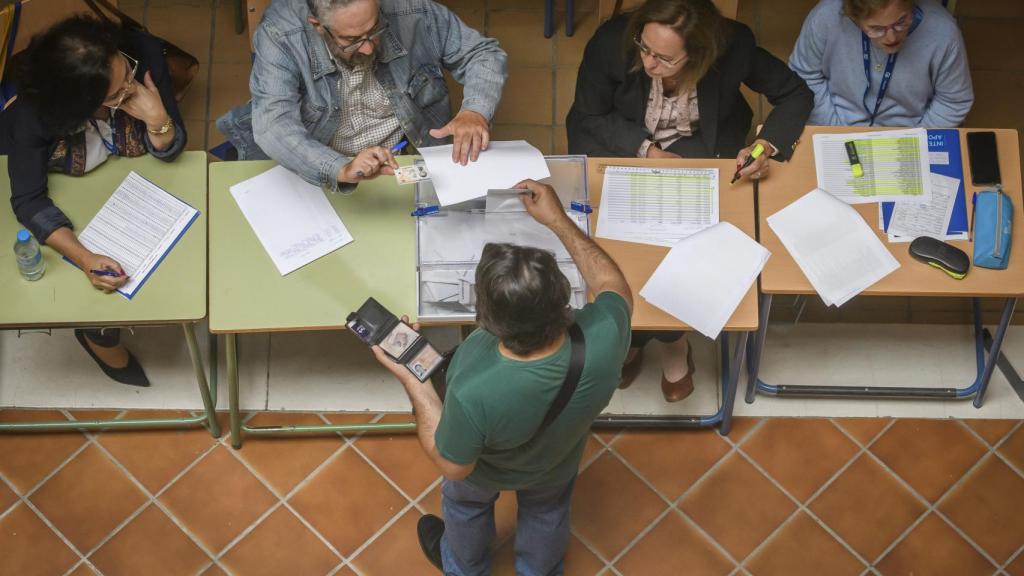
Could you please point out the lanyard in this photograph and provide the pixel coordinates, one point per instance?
(890, 64)
(109, 145)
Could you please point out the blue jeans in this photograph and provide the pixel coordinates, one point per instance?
(542, 529)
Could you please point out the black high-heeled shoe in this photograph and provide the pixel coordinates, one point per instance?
(132, 374)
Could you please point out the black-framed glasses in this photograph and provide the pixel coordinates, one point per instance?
(380, 28)
(879, 31)
(118, 99)
(659, 58)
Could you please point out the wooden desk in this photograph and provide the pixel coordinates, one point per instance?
(174, 294)
(781, 275)
(638, 262)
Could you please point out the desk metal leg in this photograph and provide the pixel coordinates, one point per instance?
(570, 17)
(231, 354)
(756, 347)
(549, 18)
(1006, 367)
(239, 16)
(977, 389)
(209, 404)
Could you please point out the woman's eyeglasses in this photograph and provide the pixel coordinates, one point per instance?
(380, 28)
(660, 59)
(879, 31)
(115, 101)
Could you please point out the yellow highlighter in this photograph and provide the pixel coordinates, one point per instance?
(851, 153)
(754, 154)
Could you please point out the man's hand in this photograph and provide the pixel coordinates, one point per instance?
(542, 203)
(471, 136)
(399, 370)
(368, 164)
(655, 152)
(92, 261)
(760, 166)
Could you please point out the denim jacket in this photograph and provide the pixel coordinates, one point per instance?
(294, 111)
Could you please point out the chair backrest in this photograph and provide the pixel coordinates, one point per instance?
(608, 8)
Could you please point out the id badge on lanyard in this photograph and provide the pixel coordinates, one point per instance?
(890, 64)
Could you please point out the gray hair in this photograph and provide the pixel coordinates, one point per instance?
(319, 9)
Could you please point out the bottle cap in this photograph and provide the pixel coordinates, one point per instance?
(23, 235)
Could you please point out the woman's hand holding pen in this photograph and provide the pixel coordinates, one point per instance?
(104, 273)
(752, 164)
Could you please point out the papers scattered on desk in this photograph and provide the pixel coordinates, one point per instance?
(657, 206)
(292, 218)
(137, 226)
(895, 164)
(833, 245)
(912, 219)
(705, 276)
(502, 165)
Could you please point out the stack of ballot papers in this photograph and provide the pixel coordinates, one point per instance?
(833, 245)
(704, 277)
(501, 166)
(910, 219)
(137, 226)
(292, 218)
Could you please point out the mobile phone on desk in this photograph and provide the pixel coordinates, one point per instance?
(377, 326)
(984, 158)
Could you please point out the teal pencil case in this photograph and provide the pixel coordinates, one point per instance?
(993, 227)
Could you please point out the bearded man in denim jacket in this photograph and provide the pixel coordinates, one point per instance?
(337, 83)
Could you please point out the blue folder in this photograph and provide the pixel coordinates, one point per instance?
(944, 141)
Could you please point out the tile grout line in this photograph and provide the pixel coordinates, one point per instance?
(929, 507)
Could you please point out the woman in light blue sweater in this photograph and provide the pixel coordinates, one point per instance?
(884, 63)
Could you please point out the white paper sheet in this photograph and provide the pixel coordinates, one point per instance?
(292, 218)
(895, 166)
(502, 165)
(912, 219)
(704, 277)
(833, 245)
(137, 226)
(657, 206)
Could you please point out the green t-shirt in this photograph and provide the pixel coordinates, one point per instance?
(495, 404)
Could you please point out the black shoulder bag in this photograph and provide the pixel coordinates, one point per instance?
(572, 378)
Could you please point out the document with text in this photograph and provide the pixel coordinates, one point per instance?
(895, 166)
(832, 244)
(292, 218)
(137, 226)
(658, 206)
(912, 219)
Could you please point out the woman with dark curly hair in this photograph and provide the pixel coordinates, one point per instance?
(86, 90)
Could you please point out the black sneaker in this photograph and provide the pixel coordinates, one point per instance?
(429, 530)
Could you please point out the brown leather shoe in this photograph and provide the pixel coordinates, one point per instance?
(631, 369)
(676, 391)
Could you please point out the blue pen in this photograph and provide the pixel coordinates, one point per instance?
(110, 273)
(398, 147)
(974, 206)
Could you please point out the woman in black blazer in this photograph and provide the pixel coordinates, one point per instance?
(664, 82)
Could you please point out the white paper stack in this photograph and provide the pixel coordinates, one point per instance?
(895, 164)
(502, 165)
(292, 218)
(705, 276)
(833, 245)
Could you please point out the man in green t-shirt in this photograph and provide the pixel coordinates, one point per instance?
(501, 383)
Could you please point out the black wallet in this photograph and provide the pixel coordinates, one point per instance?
(945, 257)
(375, 325)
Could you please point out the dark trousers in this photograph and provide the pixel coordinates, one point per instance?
(642, 337)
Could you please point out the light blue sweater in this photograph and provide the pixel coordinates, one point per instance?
(930, 85)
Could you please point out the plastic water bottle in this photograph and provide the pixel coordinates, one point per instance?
(30, 258)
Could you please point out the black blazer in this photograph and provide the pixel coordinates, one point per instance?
(29, 143)
(607, 117)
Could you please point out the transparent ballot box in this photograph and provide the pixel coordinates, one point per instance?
(449, 242)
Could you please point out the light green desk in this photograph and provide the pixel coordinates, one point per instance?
(248, 294)
(174, 294)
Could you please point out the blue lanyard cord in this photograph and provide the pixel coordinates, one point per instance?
(108, 144)
(890, 64)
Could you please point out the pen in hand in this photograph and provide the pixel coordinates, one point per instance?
(754, 155)
(110, 273)
(398, 147)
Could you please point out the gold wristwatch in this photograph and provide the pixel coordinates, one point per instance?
(163, 129)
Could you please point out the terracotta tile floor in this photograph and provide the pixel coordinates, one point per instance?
(776, 497)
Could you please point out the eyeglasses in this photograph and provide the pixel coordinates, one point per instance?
(118, 99)
(380, 28)
(879, 31)
(660, 59)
